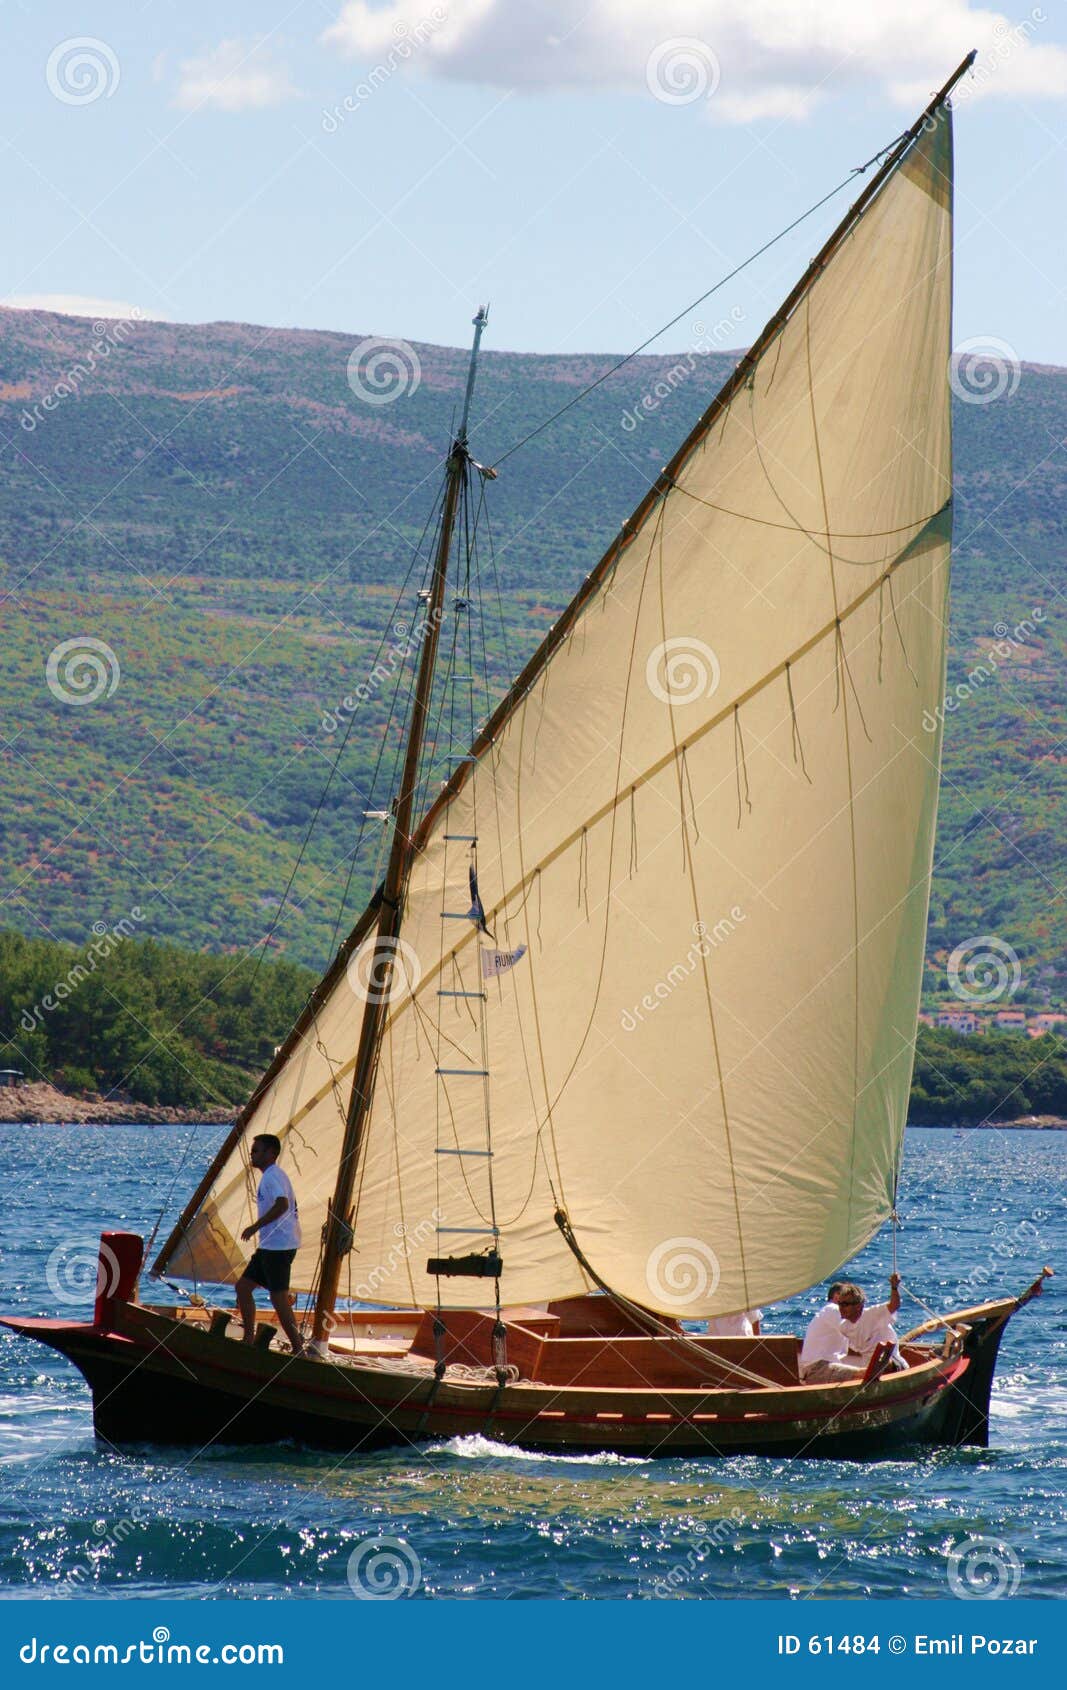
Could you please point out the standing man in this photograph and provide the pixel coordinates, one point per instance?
(278, 1227)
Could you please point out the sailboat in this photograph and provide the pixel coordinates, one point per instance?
(624, 1039)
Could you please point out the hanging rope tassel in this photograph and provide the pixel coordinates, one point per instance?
(798, 743)
(583, 872)
(740, 766)
(688, 785)
(842, 664)
(900, 636)
(633, 831)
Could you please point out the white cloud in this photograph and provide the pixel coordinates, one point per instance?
(747, 59)
(78, 305)
(234, 76)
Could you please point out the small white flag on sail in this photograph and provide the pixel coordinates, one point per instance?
(498, 962)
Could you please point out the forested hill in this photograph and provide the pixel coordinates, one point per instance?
(229, 514)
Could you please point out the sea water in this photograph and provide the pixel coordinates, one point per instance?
(981, 1213)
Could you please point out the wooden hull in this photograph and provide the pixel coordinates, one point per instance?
(160, 1379)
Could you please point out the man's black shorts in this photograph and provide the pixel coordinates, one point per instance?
(271, 1269)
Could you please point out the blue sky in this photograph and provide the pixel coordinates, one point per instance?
(588, 167)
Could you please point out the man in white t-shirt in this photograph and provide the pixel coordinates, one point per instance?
(828, 1355)
(825, 1348)
(874, 1326)
(278, 1227)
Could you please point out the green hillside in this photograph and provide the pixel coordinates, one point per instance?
(218, 507)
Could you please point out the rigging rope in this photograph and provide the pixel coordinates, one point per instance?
(858, 170)
(657, 1328)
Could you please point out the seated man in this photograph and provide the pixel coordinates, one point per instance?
(873, 1326)
(744, 1324)
(823, 1355)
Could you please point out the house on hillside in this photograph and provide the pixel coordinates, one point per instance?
(959, 1020)
(1048, 1021)
(1010, 1021)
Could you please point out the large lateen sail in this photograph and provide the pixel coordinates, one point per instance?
(708, 818)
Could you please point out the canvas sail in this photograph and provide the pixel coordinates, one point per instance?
(709, 820)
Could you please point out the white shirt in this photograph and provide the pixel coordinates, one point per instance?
(826, 1338)
(874, 1326)
(284, 1233)
(740, 1325)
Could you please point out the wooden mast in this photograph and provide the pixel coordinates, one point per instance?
(338, 1223)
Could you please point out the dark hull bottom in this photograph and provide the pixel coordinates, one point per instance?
(154, 1396)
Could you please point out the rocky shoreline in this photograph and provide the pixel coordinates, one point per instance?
(39, 1104)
